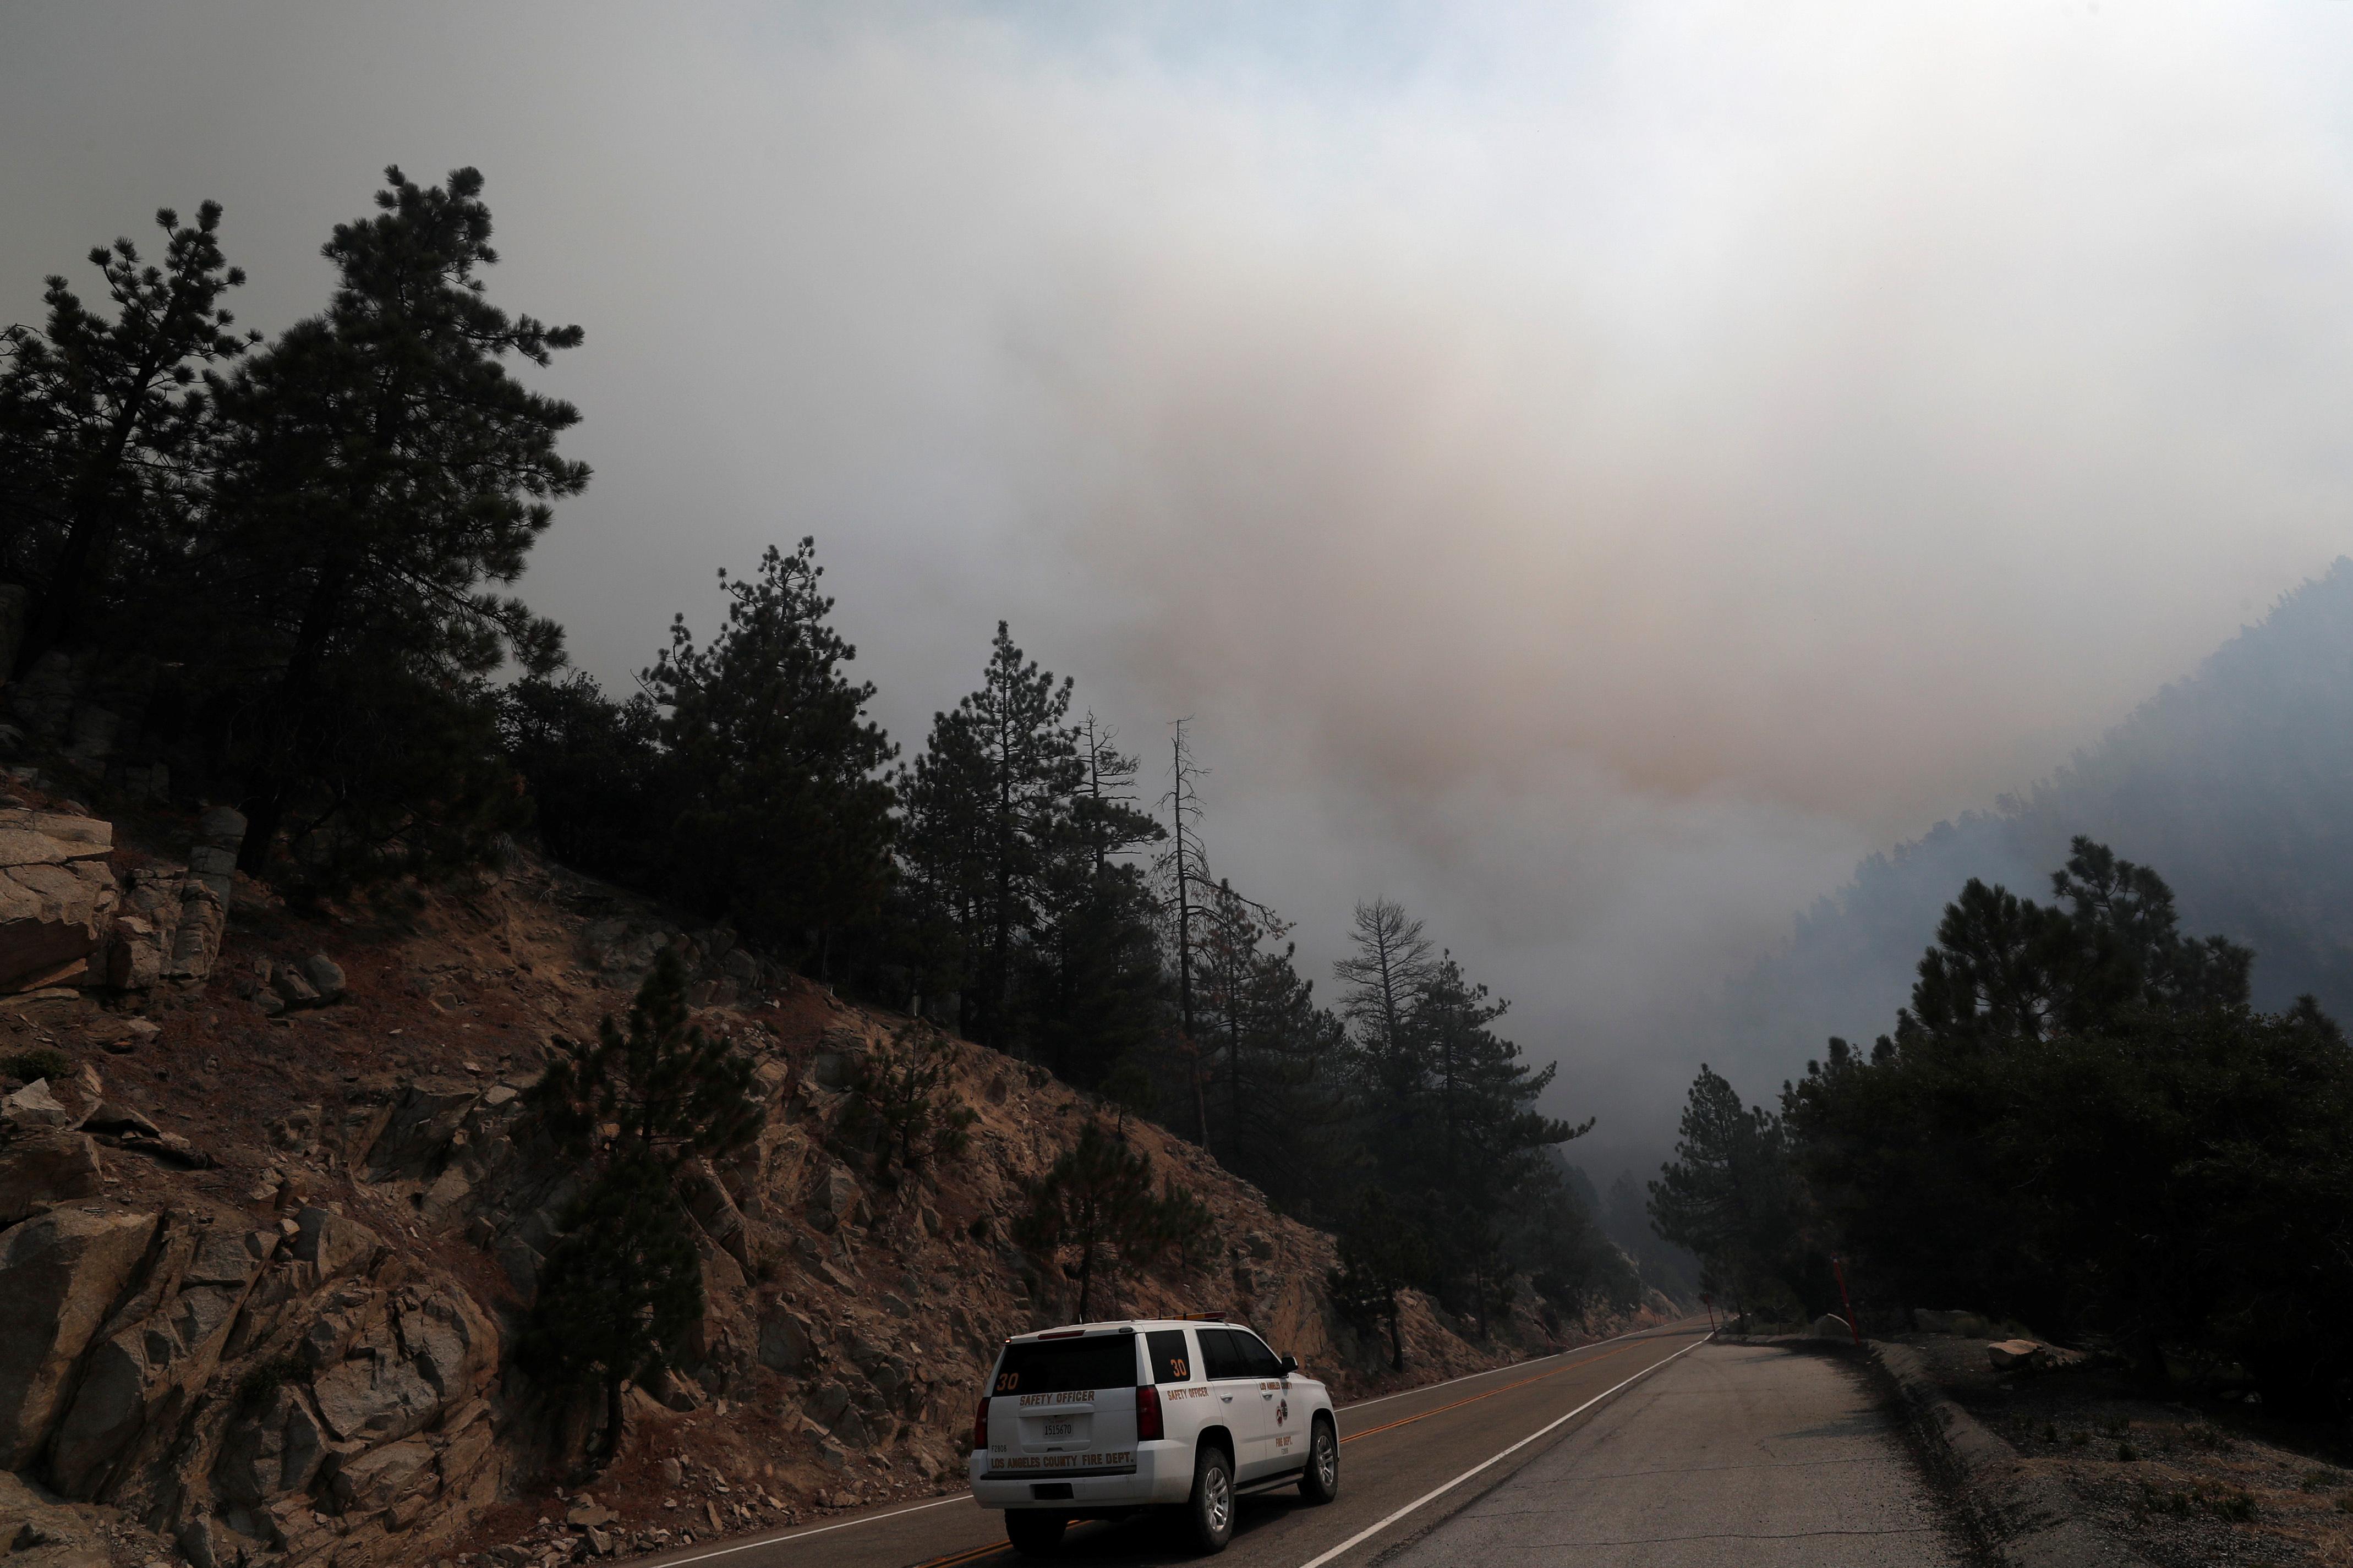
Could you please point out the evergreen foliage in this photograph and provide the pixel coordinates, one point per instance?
(622, 1285)
(783, 824)
(381, 473)
(105, 428)
(2079, 1123)
(1383, 1252)
(621, 1288)
(1097, 1206)
(597, 771)
(1731, 1196)
(898, 1101)
(1446, 1106)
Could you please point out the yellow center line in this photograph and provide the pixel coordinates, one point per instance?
(973, 1555)
(1457, 1404)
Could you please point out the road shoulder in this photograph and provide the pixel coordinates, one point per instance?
(1736, 1453)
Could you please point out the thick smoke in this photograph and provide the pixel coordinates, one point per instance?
(1591, 479)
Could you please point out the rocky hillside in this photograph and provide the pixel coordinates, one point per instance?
(271, 1215)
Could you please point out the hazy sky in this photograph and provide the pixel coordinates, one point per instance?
(1591, 472)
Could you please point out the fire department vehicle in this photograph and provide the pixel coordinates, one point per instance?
(1103, 1420)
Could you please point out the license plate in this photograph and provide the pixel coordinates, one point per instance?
(1059, 1428)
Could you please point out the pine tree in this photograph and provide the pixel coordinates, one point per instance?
(1091, 976)
(104, 428)
(621, 1288)
(1097, 1205)
(1729, 1194)
(383, 473)
(989, 806)
(2008, 968)
(623, 1283)
(1385, 976)
(1447, 1106)
(671, 1093)
(1275, 1056)
(902, 1103)
(596, 774)
(1383, 1252)
(784, 820)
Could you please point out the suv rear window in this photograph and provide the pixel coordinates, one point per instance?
(1060, 1366)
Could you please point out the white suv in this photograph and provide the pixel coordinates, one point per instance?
(1103, 1419)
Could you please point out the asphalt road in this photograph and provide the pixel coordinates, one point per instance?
(1405, 1461)
(1735, 1454)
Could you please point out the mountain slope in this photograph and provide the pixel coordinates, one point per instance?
(281, 1232)
(2236, 783)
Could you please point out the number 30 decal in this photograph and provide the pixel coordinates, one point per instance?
(1008, 1381)
(1176, 1368)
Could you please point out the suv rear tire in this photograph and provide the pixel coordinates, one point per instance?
(1322, 1482)
(1034, 1532)
(1210, 1509)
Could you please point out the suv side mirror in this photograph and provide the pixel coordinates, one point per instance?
(1289, 1364)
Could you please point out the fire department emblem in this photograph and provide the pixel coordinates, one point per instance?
(1282, 1411)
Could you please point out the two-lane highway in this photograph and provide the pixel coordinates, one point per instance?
(1407, 1460)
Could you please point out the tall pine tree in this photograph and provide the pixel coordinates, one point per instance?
(383, 475)
(783, 821)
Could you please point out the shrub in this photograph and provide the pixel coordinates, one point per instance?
(263, 1379)
(37, 1063)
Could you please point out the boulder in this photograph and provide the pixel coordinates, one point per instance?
(416, 1137)
(293, 987)
(1830, 1326)
(381, 1477)
(60, 1275)
(373, 1398)
(37, 1105)
(837, 1197)
(326, 977)
(112, 1117)
(57, 897)
(80, 1091)
(2015, 1355)
(786, 1343)
(335, 1243)
(41, 1166)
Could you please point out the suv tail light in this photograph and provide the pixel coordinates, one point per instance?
(980, 1424)
(1148, 1414)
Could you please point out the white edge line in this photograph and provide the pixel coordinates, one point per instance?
(820, 1530)
(1370, 1531)
(1513, 1366)
(1425, 1388)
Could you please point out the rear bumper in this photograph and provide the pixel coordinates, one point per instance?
(1163, 1474)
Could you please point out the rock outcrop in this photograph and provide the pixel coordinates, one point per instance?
(244, 1390)
(66, 919)
(57, 897)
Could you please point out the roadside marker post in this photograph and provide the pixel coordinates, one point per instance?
(1838, 1267)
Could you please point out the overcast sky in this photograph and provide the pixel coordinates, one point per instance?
(1591, 472)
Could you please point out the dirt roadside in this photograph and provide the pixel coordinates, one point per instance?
(2080, 1466)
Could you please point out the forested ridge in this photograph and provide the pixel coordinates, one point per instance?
(283, 569)
(2230, 780)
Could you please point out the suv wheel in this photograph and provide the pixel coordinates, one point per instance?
(1033, 1531)
(1321, 1481)
(1210, 1509)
